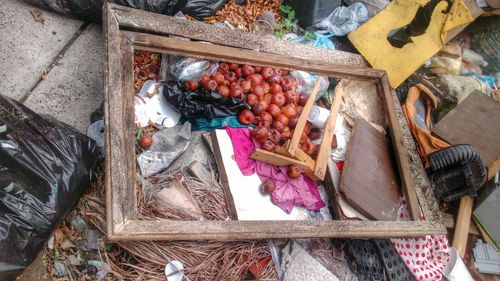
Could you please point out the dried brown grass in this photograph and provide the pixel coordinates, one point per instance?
(202, 260)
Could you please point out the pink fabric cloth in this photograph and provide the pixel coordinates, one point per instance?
(425, 257)
(290, 192)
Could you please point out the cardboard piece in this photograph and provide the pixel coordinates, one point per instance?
(475, 121)
(371, 38)
(369, 181)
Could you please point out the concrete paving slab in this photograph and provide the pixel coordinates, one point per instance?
(37, 270)
(27, 47)
(73, 88)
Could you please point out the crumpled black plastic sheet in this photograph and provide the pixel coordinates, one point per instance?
(45, 167)
(200, 9)
(201, 103)
(91, 10)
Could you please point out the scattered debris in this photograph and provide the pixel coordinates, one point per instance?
(146, 67)
(60, 269)
(299, 265)
(91, 239)
(261, 108)
(487, 258)
(344, 20)
(102, 268)
(242, 16)
(45, 74)
(66, 244)
(37, 16)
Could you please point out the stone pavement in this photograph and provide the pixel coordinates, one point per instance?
(54, 68)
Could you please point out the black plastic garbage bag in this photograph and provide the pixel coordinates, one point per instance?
(200, 9)
(45, 166)
(90, 10)
(201, 103)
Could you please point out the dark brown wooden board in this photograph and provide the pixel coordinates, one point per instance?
(369, 181)
(475, 121)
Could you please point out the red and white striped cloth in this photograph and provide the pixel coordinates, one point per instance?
(426, 257)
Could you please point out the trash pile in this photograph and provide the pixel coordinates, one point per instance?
(218, 140)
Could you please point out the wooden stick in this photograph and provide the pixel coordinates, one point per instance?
(301, 123)
(403, 157)
(140, 230)
(449, 222)
(300, 155)
(280, 160)
(462, 225)
(326, 143)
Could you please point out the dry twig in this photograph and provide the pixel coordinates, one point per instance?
(203, 260)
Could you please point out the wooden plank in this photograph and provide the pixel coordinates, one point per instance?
(293, 146)
(326, 143)
(161, 24)
(233, 214)
(449, 222)
(474, 121)
(120, 156)
(300, 154)
(140, 230)
(281, 160)
(368, 180)
(462, 226)
(402, 157)
(175, 46)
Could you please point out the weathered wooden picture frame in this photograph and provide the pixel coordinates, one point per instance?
(127, 29)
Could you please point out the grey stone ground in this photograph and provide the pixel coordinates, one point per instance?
(70, 49)
(72, 88)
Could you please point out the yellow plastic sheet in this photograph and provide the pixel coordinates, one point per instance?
(371, 38)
